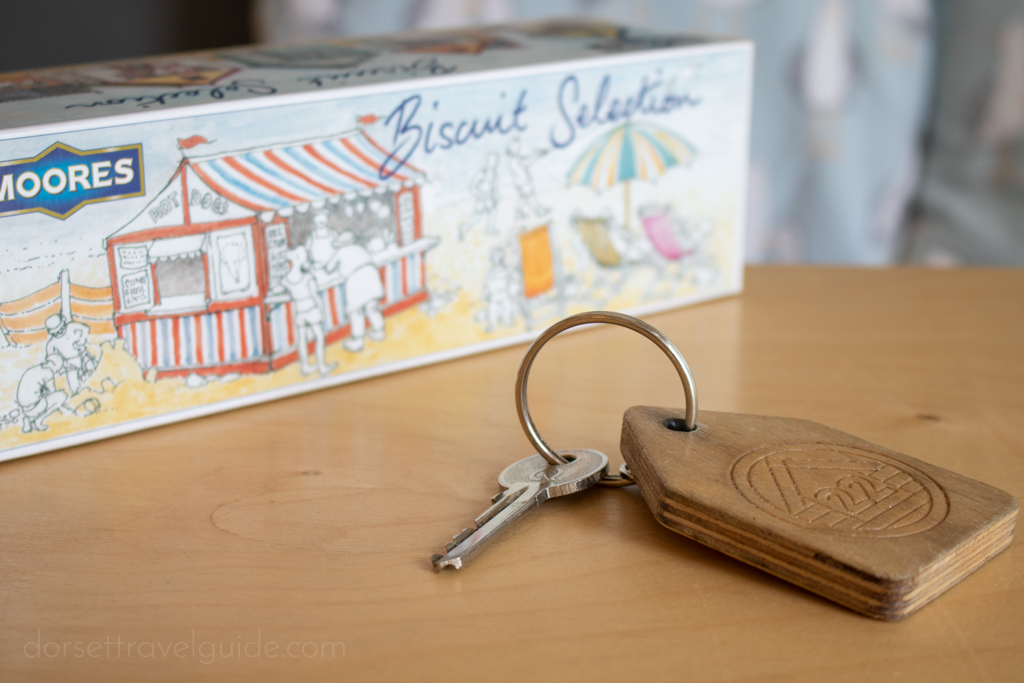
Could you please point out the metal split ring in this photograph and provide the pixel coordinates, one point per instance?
(610, 318)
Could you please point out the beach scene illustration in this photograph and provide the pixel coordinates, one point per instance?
(329, 241)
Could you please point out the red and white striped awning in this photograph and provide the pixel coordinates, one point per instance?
(298, 173)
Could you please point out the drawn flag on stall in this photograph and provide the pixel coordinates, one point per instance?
(190, 142)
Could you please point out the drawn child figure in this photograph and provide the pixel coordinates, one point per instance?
(485, 194)
(363, 291)
(499, 292)
(519, 165)
(307, 309)
(68, 341)
(38, 395)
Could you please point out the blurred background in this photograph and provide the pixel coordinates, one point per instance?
(884, 131)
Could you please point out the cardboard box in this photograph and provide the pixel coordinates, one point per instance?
(194, 233)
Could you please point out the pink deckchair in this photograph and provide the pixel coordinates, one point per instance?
(658, 225)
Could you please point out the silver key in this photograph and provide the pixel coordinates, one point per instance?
(527, 484)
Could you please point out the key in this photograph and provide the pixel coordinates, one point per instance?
(527, 483)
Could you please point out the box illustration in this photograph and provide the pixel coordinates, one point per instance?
(188, 234)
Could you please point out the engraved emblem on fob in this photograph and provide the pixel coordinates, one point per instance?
(842, 489)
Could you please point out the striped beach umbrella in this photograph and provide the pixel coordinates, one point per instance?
(632, 151)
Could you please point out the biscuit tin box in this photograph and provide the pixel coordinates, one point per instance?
(187, 234)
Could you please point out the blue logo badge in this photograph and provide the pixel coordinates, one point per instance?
(62, 179)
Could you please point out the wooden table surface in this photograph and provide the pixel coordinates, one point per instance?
(291, 541)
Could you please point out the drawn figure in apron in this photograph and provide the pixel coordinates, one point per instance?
(320, 245)
(363, 291)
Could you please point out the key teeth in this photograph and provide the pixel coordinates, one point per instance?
(497, 496)
(459, 538)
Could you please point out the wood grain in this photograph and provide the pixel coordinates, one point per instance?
(872, 529)
(313, 519)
